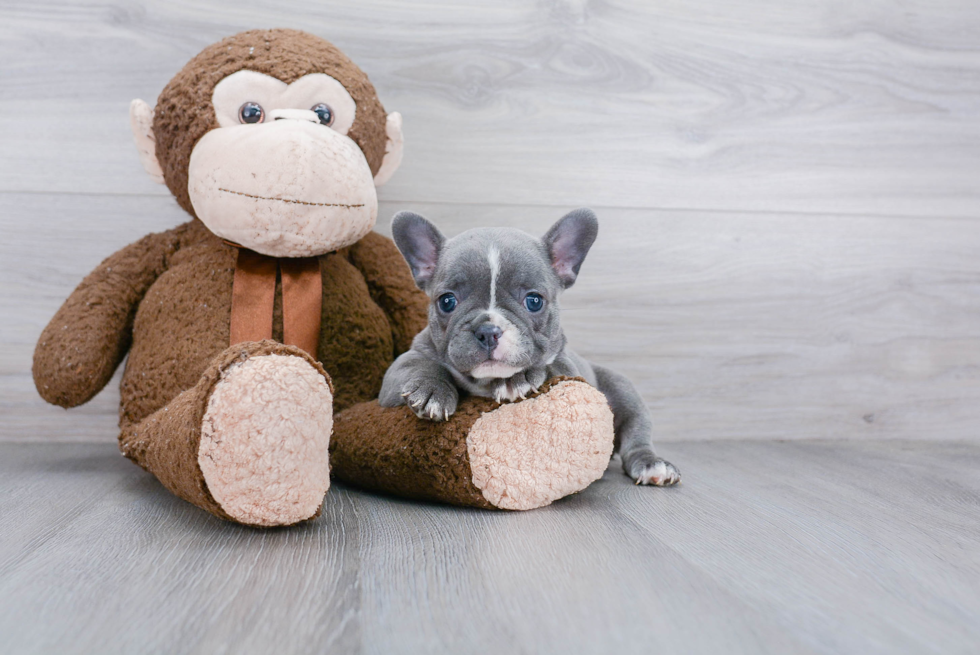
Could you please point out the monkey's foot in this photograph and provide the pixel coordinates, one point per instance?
(519, 455)
(265, 439)
(249, 441)
(530, 453)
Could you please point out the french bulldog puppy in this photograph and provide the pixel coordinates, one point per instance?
(494, 327)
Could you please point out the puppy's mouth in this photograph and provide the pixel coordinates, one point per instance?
(494, 369)
(290, 200)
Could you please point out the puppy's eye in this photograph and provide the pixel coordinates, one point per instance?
(251, 112)
(534, 302)
(447, 302)
(325, 113)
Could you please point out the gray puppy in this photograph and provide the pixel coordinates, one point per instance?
(494, 327)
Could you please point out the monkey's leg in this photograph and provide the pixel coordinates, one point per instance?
(519, 455)
(249, 442)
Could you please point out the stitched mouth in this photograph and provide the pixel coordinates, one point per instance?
(289, 200)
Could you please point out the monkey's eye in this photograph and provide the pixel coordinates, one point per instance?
(447, 302)
(325, 113)
(251, 112)
(534, 302)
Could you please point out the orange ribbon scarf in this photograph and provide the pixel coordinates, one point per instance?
(254, 293)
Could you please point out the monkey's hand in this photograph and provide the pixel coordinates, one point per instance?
(88, 337)
(432, 398)
(520, 385)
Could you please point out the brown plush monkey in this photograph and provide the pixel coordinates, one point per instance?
(276, 306)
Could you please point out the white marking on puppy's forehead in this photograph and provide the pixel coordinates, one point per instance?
(493, 258)
(498, 319)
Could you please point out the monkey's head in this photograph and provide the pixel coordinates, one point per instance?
(275, 140)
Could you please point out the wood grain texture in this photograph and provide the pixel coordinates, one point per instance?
(806, 547)
(818, 276)
(829, 106)
(732, 325)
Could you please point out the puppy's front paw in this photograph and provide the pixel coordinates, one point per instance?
(518, 386)
(511, 388)
(431, 398)
(648, 469)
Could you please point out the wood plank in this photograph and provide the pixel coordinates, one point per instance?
(136, 569)
(570, 578)
(809, 107)
(805, 547)
(732, 325)
(817, 530)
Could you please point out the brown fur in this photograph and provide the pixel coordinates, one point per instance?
(166, 299)
(184, 112)
(182, 322)
(166, 442)
(390, 450)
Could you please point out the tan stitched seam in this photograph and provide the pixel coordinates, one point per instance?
(298, 202)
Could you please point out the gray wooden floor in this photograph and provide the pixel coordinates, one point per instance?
(767, 547)
(787, 267)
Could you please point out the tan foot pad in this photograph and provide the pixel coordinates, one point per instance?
(265, 439)
(531, 453)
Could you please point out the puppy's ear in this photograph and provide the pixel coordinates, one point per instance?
(420, 243)
(568, 242)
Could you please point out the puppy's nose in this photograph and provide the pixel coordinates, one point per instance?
(488, 335)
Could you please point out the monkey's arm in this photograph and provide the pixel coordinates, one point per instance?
(88, 337)
(392, 287)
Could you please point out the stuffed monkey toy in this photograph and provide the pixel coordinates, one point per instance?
(276, 307)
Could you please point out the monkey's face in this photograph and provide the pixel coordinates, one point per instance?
(285, 169)
(280, 175)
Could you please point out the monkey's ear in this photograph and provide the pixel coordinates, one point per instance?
(393, 149)
(141, 122)
(420, 243)
(568, 242)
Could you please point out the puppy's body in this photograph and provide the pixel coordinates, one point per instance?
(494, 328)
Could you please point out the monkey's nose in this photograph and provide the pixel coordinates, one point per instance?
(488, 335)
(294, 114)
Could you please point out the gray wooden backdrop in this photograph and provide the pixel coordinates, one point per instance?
(789, 193)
